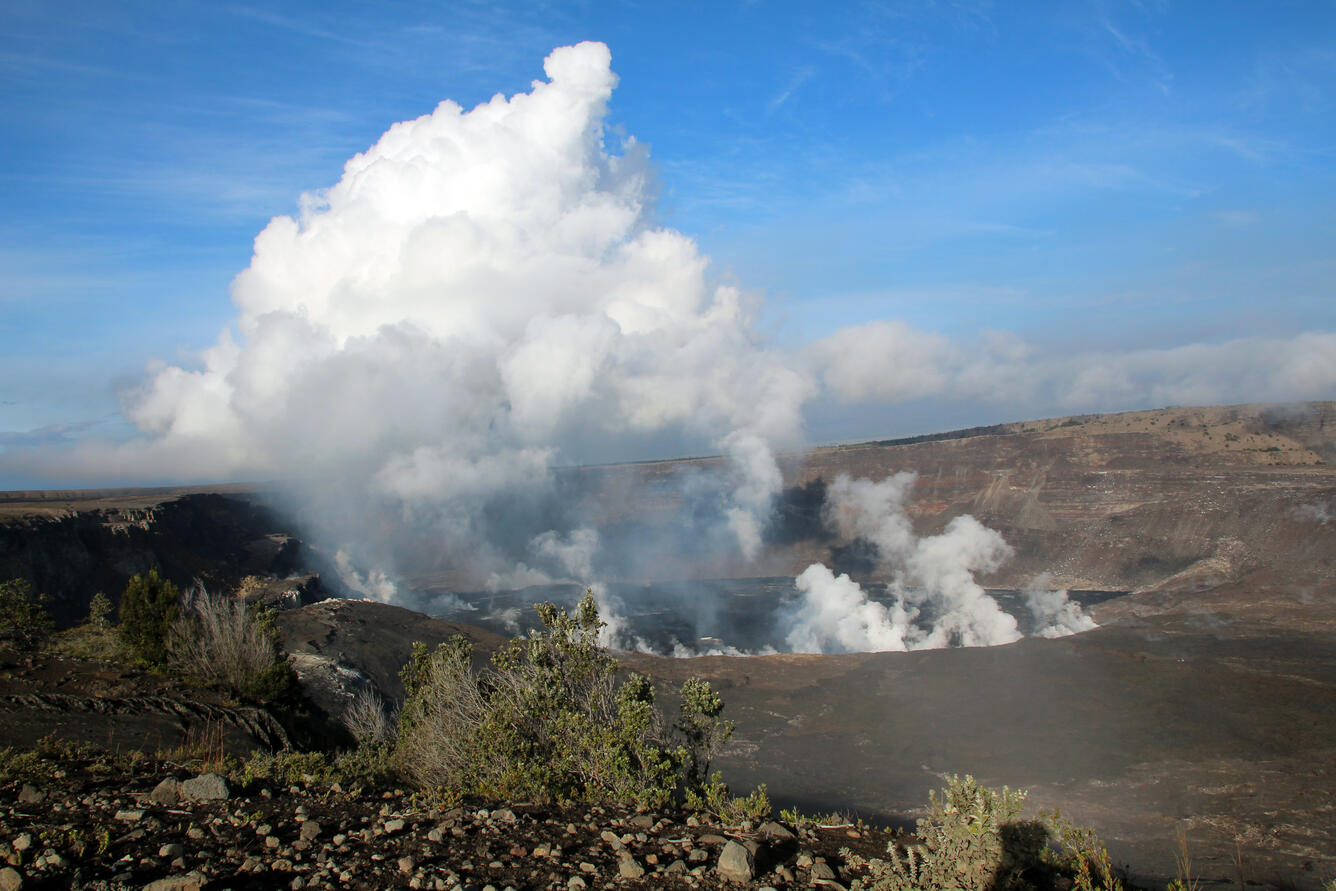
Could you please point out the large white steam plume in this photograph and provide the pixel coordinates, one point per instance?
(481, 294)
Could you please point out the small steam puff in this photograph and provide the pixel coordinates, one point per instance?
(373, 585)
(933, 576)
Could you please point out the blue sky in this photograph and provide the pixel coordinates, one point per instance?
(1092, 178)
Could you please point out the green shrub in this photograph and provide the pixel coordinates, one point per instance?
(370, 765)
(24, 617)
(800, 819)
(714, 797)
(20, 764)
(1082, 856)
(549, 721)
(972, 840)
(99, 611)
(148, 609)
(284, 769)
(366, 766)
(703, 734)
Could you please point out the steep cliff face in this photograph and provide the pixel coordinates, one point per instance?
(72, 548)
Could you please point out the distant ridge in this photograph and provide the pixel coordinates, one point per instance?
(965, 433)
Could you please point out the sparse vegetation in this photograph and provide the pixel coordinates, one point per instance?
(714, 797)
(975, 840)
(96, 638)
(24, 617)
(99, 611)
(972, 840)
(148, 610)
(367, 721)
(88, 641)
(1185, 880)
(1083, 856)
(224, 640)
(799, 819)
(550, 722)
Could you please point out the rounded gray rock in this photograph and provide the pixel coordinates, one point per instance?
(736, 863)
(207, 787)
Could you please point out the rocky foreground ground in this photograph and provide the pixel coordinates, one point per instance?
(89, 824)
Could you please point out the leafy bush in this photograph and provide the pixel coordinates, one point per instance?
(148, 610)
(702, 733)
(24, 616)
(548, 721)
(226, 641)
(972, 840)
(99, 611)
(1082, 856)
(713, 796)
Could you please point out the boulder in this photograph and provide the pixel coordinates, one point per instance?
(736, 863)
(822, 872)
(188, 882)
(207, 787)
(166, 793)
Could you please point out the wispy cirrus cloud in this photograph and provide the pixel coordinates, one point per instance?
(800, 77)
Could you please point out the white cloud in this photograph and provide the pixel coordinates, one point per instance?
(890, 362)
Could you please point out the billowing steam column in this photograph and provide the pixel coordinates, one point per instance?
(834, 613)
(481, 296)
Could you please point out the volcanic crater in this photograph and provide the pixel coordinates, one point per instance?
(1205, 701)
